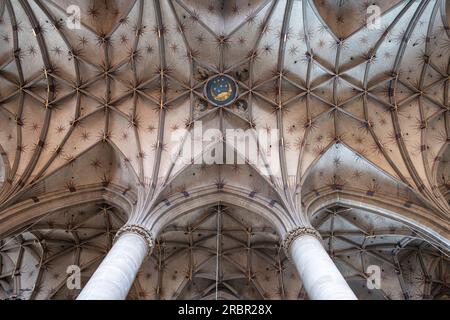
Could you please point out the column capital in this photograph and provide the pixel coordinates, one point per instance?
(298, 232)
(141, 231)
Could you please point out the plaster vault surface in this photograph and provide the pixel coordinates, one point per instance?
(97, 111)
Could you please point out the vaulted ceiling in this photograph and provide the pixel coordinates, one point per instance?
(359, 110)
(222, 252)
(134, 73)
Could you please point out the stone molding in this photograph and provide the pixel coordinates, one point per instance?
(138, 230)
(298, 232)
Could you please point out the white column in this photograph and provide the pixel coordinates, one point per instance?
(321, 278)
(113, 278)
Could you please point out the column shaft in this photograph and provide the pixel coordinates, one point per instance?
(321, 278)
(113, 278)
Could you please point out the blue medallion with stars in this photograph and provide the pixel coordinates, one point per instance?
(221, 90)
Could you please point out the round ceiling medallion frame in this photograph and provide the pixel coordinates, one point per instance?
(221, 90)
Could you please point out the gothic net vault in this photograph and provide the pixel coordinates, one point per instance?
(92, 176)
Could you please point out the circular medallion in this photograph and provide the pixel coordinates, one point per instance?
(221, 90)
